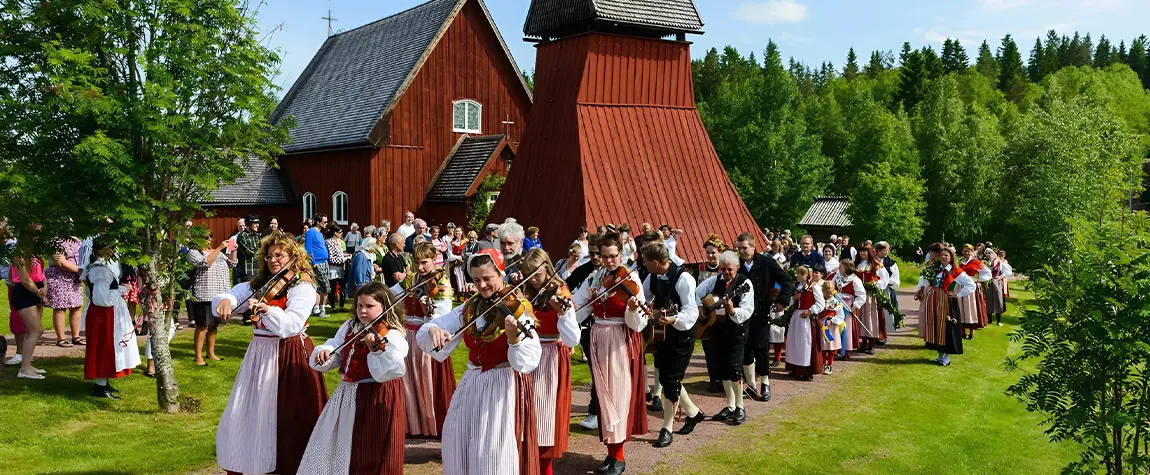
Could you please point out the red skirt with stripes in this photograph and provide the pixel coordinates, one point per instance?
(380, 429)
(100, 352)
(302, 395)
(562, 406)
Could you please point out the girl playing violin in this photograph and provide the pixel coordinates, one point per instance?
(558, 333)
(431, 382)
(370, 393)
(277, 398)
(490, 426)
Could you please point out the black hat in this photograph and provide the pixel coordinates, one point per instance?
(252, 218)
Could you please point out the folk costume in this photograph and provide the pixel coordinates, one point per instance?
(277, 398)
(490, 426)
(111, 351)
(804, 350)
(673, 292)
(941, 328)
(729, 338)
(713, 351)
(871, 321)
(996, 288)
(832, 320)
(617, 363)
(428, 383)
(764, 273)
(558, 334)
(854, 296)
(362, 428)
(973, 306)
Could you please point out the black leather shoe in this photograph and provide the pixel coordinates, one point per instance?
(110, 388)
(690, 422)
(664, 439)
(602, 468)
(656, 404)
(750, 393)
(616, 468)
(765, 393)
(739, 417)
(649, 398)
(102, 392)
(723, 415)
(774, 364)
(715, 387)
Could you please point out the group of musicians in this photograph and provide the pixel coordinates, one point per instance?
(510, 411)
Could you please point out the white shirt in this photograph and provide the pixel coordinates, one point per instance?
(384, 365)
(671, 245)
(858, 298)
(967, 285)
(523, 356)
(277, 321)
(895, 279)
(685, 287)
(406, 230)
(831, 266)
(743, 310)
(591, 288)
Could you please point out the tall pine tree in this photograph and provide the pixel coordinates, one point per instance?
(912, 77)
(986, 65)
(954, 57)
(1102, 57)
(1138, 60)
(851, 70)
(1011, 79)
(1037, 57)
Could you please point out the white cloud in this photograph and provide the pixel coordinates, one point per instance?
(771, 12)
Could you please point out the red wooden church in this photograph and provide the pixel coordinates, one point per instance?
(409, 112)
(614, 135)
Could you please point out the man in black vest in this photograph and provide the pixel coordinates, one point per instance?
(736, 304)
(671, 288)
(764, 273)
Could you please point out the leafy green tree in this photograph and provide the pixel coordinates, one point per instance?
(706, 75)
(986, 64)
(954, 58)
(1086, 339)
(1066, 160)
(851, 70)
(132, 111)
(1138, 60)
(1011, 79)
(876, 65)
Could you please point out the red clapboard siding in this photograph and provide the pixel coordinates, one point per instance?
(222, 223)
(324, 173)
(466, 63)
(619, 112)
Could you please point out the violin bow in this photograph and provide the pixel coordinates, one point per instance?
(604, 294)
(398, 299)
(485, 312)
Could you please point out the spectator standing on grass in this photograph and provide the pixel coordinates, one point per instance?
(15, 324)
(362, 270)
(247, 245)
(393, 264)
(112, 353)
(531, 241)
(28, 300)
(65, 296)
(316, 248)
(336, 263)
(211, 279)
(352, 238)
(420, 230)
(408, 226)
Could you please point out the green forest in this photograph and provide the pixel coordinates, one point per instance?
(933, 146)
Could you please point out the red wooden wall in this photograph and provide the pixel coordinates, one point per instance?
(323, 174)
(614, 137)
(222, 223)
(467, 63)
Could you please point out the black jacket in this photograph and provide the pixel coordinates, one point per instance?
(764, 274)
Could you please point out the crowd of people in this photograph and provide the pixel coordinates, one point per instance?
(418, 293)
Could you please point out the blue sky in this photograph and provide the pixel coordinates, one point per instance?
(811, 31)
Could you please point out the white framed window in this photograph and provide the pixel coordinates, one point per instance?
(308, 205)
(339, 207)
(491, 198)
(466, 116)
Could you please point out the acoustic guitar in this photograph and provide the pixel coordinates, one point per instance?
(655, 333)
(711, 305)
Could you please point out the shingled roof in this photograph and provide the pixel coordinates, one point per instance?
(829, 212)
(357, 75)
(457, 178)
(546, 17)
(261, 184)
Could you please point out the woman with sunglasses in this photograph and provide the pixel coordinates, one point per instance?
(277, 398)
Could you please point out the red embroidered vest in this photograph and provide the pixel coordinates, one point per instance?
(870, 275)
(280, 302)
(354, 367)
(971, 268)
(486, 355)
(609, 307)
(806, 299)
(547, 322)
(848, 290)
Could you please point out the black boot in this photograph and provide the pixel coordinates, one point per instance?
(664, 439)
(765, 393)
(723, 415)
(739, 417)
(616, 468)
(103, 392)
(656, 404)
(602, 468)
(690, 422)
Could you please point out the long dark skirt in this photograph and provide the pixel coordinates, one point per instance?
(953, 333)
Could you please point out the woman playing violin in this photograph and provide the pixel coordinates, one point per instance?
(370, 392)
(490, 426)
(277, 398)
(558, 334)
(617, 359)
(431, 382)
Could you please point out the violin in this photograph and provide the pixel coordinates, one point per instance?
(274, 287)
(620, 286)
(428, 289)
(506, 303)
(557, 289)
(377, 327)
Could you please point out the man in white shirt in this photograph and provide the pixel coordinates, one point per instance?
(408, 226)
(670, 239)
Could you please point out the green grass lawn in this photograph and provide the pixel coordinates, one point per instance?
(898, 414)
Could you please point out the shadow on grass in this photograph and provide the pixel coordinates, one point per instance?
(578, 463)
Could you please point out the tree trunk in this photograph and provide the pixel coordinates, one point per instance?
(157, 309)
